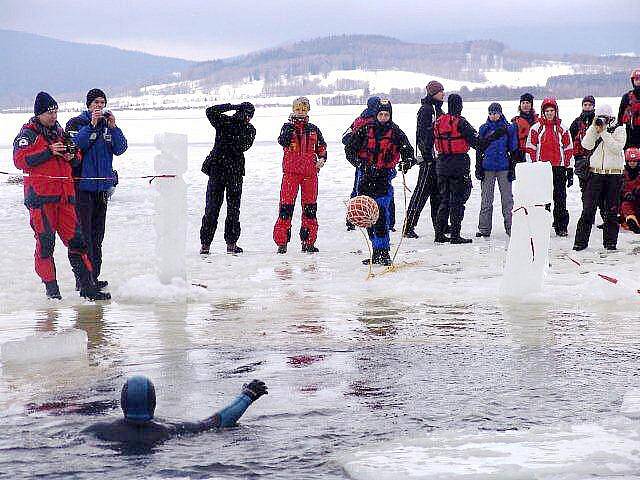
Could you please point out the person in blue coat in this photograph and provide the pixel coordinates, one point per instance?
(496, 163)
(98, 137)
(139, 429)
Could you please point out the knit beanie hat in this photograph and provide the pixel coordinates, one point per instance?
(434, 87)
(590, 99)
(526, 97)
(385, 106)
(93, 94)
(44, 103)
(495, 107)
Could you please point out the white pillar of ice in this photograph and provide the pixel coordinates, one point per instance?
(171, 206)
(528, 253)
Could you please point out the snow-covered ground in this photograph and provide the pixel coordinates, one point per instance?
(254, 298)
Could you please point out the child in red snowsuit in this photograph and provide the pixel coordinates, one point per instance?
(630, 205)
(305, 152)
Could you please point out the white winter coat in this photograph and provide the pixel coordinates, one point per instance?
(610, 152)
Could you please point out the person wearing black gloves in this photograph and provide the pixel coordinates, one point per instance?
(427, 185)
(577, 129)
(377, 149)
(225, 167)
(138, 427)
(453, 138)
(629, 111)
(604, 182)
(496, 163)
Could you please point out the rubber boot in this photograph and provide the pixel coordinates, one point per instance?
(233, 248)
(93, 294)
(53, 291)
(282, 249)
(306, 248)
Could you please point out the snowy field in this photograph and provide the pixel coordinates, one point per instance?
(426, 371)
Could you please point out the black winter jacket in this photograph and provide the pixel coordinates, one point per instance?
(234, 136)
(427, 114)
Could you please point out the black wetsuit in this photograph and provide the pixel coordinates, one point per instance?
(152, 432)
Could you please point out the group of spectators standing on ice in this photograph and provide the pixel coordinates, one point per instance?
(70, 172)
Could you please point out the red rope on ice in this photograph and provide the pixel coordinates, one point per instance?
(607, 278)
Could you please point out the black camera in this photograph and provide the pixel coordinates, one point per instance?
(106, 113)
(601, 121)
(69, 145)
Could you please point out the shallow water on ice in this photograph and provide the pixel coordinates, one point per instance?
(429, 355)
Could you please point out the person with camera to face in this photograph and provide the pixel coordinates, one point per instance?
(98, 137)
(47, 157)
(578, 128)
(606, 141)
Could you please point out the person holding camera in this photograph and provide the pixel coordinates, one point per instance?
(47, 157)
(549, 141)
(225, 167)
(604, 182)
(98, 137)
(578, 128)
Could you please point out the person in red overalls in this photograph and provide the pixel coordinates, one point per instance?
(305, 152)
(41, 151)
(630, 205)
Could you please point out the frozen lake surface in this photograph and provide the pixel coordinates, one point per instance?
(423, 373)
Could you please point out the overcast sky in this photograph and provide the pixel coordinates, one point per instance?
(204, 30)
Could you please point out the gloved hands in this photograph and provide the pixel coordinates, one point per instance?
(569, 177)
(406, 164)
(320, 162)
(255, 389)
(498, 132)
(479, 173)
(353, 160)
(513, 159)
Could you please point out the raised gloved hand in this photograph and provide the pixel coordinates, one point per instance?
(255, 389)
(569, 177)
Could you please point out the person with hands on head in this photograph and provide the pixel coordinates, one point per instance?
(378, 148)
(138, 427)
(47, 157)
(606, 142)
(225, 166)
(496, 163)
(550, 141)
(305, 153)
(98, 137)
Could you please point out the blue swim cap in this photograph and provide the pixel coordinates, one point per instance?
(138, 399)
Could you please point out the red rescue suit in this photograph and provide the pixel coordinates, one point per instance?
(49, 195)
(630, 204)
(303, 144)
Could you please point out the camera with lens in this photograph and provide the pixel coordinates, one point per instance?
(105, 113)
(69, 145)
(601, 121)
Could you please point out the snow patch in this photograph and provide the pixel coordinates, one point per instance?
(149, 289)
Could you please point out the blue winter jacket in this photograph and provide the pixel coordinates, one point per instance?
(495, 157)
(98, 146)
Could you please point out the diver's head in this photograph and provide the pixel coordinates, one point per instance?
(138, 399)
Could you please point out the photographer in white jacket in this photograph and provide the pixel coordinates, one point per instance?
(604, 180)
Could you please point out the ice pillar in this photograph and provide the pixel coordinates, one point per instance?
(528, 253)
(171, 206)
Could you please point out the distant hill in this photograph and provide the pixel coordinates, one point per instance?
(31, 63)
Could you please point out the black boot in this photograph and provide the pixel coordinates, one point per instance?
(457, 240)
(233, 248)
(101, 284)
(441, 238)
(633, 225)
(93, 294)
(375, 257)
(384, 258)
(306, 248)
(52, 290)
(410, 233)
(204, 249)
(282, 249)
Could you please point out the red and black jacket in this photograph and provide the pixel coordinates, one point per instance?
(50, 177)
(303, 143)
(577, 129)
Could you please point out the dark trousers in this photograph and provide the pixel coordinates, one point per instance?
(426, 188)
(91, 208)
(216, 188)
(560, 213)
(454, 192)
(600, 191)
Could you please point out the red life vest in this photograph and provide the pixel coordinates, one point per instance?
(631, 114)
(383, 153)
(578, 150)
(448, 139)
